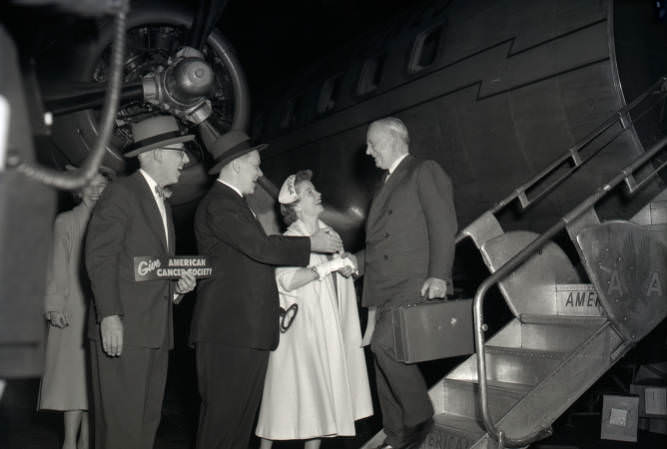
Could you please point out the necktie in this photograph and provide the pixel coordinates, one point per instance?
(162, 192)
(247, 203)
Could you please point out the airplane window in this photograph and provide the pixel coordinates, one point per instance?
(329, 94)
(425, 49)
(291, 110)
(371, 74)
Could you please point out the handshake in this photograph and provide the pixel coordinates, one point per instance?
(341, 263)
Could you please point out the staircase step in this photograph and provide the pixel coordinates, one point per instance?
(654, 212)
(526, 353)
(565, 320)
(557, 333)
(530, 288)
(451, 431)
(511, 365)
(547, 332)
(518, 389)
(462, 397)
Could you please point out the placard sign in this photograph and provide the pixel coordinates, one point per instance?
(150, 268)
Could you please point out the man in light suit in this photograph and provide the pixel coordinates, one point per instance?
(130, 327)
(235, 321)
(409, 252)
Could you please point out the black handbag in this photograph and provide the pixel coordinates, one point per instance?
(287, 317)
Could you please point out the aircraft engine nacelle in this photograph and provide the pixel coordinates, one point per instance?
(161, 76)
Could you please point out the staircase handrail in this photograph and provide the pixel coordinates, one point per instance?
(573, 153)
(627, 175)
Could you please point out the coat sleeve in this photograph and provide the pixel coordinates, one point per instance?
(104, 244)
(237, 229)
(361, 261)
(57, 286)
(437, 200)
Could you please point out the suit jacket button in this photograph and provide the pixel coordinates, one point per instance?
(386, 257)
(389, 212)
(386, 235)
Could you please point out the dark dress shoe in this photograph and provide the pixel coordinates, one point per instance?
(414, 436)
(418, 434)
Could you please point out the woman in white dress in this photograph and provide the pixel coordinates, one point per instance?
(64, 385)
(316, 383)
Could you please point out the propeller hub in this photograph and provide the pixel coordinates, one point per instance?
(190, 79)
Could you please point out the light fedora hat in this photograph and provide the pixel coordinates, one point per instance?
(155, 132)
(229, 146)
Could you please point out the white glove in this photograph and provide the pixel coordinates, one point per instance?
(330, 266)
(350, 264)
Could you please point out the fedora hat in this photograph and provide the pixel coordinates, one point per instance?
(229, 146)
(155, 132)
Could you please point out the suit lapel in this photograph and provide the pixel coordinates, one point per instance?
(377, 206)
(150, 209)
(240, 202)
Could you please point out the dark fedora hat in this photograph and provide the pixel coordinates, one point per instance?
(155, 132)
(229, 146)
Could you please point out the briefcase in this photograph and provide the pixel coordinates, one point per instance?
(433, 330)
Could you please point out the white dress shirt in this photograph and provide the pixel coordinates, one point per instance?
(394, 165)
(159, 201)
(239, 193)
(230, 186)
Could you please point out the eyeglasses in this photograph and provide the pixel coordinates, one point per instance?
(182, 152)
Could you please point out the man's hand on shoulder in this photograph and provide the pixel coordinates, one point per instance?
(434, 288)
(111, 329)
(325, 241)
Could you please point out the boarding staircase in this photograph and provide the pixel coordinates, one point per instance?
(566, 331)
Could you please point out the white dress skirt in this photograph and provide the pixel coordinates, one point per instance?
(316, 384)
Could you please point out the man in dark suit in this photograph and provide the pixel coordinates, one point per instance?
(235, 321)
(410, 232)
(131, 326)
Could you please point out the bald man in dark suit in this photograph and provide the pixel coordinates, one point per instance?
(235, 321)
(409, 252)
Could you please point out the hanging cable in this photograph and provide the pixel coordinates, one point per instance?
(83, 175)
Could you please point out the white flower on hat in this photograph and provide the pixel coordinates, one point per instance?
(287, 194)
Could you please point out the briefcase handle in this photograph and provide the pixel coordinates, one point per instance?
(457, 294)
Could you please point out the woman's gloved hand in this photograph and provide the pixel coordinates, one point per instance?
(335, 264)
